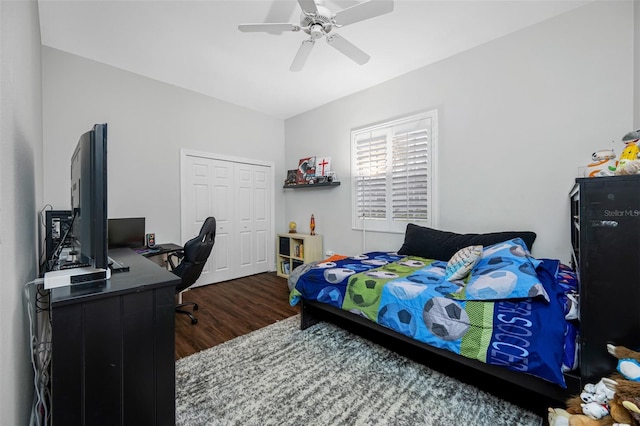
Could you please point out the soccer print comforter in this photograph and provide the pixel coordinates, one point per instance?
(509, 311)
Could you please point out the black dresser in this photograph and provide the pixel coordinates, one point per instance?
(605, 235)
(113, 348)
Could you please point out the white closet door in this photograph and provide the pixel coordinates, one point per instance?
(200, 189)
(252, 216)
(238, 195)
(262, 217)
(222, 201)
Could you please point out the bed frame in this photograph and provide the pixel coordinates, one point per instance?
(313, 312)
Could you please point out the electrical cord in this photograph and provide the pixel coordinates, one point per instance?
(40, 348)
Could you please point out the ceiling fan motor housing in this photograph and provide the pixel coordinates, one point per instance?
(317, 24)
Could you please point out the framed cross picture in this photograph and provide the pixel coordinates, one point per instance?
(323, 166)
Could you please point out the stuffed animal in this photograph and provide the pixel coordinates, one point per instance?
(629, 163)
(618, 394)
(600, 393)
(628, 167)
(603, 163)
(628, 386)
(633, 136)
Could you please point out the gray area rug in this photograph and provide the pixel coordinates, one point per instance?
(281, 375)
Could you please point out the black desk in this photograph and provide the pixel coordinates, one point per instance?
(160, 253)
(113, 347)
(159, 250)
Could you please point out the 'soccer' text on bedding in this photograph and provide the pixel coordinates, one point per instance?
(513, 329)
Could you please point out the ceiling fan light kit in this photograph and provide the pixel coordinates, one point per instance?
(317, 21)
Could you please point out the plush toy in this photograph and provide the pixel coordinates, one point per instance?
(628, 386)
(595, 410)
(629, 163)
(628, 167)
(633, 136)
(618, 394)
(603, 163)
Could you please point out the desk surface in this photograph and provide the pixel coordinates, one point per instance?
(143, 273)
(159, 249)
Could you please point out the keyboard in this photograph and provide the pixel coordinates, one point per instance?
(147, 250)
(116, 266)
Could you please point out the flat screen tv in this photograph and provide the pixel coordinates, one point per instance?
(89, 197)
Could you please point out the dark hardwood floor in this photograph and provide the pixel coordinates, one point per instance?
(230, 309)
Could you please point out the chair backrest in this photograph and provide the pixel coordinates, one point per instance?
(196, 252)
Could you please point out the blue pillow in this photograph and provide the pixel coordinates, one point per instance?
(505, 271)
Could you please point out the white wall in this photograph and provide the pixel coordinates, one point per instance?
(149, 122)
(20, 197)
(517, 117)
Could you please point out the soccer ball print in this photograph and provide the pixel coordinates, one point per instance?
(398, 318)
(337, 275)
(445, 318)
(494, 285)
(364, 291)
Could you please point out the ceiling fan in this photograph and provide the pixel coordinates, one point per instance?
(317, 21)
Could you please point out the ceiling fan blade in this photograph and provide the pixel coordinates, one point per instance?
(308, 6)
(280, 11)
(348, 49)
(302, 55)
(250, 28)
(365, 10)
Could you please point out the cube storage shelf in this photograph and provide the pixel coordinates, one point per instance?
(295, 249)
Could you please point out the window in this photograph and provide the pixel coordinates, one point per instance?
(393, 169)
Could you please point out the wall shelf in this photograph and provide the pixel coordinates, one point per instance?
(311, 185)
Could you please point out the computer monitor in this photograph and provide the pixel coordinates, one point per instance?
(89, 197)
(126, 232)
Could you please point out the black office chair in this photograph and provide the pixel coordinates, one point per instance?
(192, 258)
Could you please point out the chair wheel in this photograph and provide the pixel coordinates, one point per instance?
(194, 321)
(195, 307)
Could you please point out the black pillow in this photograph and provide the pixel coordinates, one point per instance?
(441, 245)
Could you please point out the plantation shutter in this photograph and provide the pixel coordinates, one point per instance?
(371, 180)
(410, 172)
(392, 169)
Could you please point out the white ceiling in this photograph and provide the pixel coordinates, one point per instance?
(196, 44)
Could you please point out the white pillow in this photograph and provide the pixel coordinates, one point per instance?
(462, 262)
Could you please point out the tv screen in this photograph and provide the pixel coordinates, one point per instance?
(89, 197)
(126, 232)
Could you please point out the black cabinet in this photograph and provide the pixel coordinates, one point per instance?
(605, 235)
(113, 348)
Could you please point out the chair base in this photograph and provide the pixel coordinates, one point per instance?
(179, 310)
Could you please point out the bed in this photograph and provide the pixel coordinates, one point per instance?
(478, 299)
